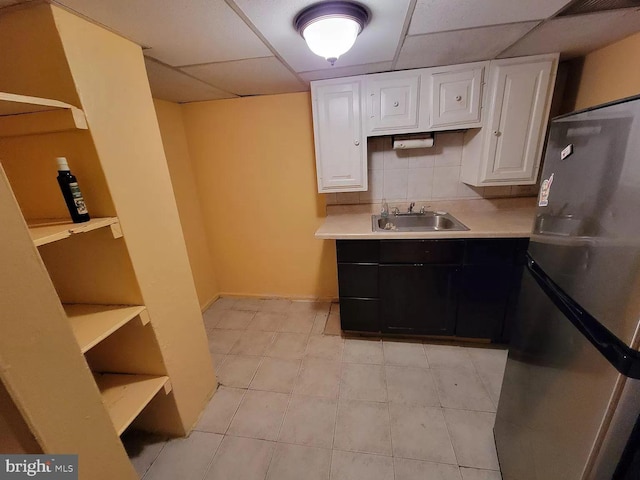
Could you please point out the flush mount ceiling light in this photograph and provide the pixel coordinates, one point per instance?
(330, 28)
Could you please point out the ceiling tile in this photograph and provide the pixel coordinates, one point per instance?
(377, 42)
(177, 32)
(460, 46)
(256, 76)
(173, 85)
(578, 35)
(432, 16)
(346, 71)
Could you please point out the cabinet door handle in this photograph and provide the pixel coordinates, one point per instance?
(497, 133)
(395, 104)
(373, 106)
(356, 143)
(458, 98)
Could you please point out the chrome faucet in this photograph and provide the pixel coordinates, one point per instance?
(395, 211)
(411, 205)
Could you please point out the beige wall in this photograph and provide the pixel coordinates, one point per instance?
(254, 166)
(174, 141)
(610, 73)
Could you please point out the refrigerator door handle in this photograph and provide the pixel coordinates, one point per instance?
(624, 359)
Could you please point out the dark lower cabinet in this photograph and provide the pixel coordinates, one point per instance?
(463, 288)
(419, 299)
(360, 314)
(484, 293)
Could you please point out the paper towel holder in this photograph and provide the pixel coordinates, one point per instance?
(406, 142)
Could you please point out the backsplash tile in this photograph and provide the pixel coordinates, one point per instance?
(395, 184)
(421, 175)
(420, 183)
(445, 182)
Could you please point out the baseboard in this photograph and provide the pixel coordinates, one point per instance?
(300, 298)
(210, 302)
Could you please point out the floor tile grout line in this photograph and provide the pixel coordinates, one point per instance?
(235, 412)
(284, 416)
(446, 424)
(386, 386)
(482, 382)
(288, 402)
(335, 421)
(213, 457)
(426, 357)
(154, 460)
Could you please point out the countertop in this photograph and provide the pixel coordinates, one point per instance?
(486, 218)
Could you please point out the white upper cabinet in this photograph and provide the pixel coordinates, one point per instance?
(455, 97)
(508, 150)
(503, 104)
(392, 102)
(341, 146)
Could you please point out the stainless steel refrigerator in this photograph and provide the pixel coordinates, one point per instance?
(570, 402)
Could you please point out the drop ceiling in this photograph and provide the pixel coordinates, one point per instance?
(212, 49)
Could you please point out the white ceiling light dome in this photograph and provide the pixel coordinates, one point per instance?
(331, 28)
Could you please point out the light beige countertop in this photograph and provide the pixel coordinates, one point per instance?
(486, 218)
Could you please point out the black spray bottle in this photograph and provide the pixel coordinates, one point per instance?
(71, 192)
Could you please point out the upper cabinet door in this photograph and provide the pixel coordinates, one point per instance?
(341, 147)
(392, 102)
(521, 96)
(455, 98)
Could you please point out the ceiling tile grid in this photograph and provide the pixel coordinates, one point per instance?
(256, 76)
(431, 16)
(460, 46)
(336, 72)
(578, 35)
(170, 84)
(212, 49)
(177, 32)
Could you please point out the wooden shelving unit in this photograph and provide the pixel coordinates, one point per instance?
(24, 115)
(103, 367)
(125, 396)
(93, 323)
(51, 230)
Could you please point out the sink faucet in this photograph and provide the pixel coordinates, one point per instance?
(410, 209)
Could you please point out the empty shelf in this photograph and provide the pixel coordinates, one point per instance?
(93, 323)
(125, 396)
(52, 230)
(24, 115)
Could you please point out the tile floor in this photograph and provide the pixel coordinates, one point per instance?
(297, 403)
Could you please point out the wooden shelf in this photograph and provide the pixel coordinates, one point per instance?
(24, 115)
(51, 230)
(125, 396)
(93, 323)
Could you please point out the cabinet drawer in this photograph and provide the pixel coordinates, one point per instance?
(360, 314)
(358, 251)
(358, 280)
(448, 252)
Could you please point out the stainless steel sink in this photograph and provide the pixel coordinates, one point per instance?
(417, 222)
